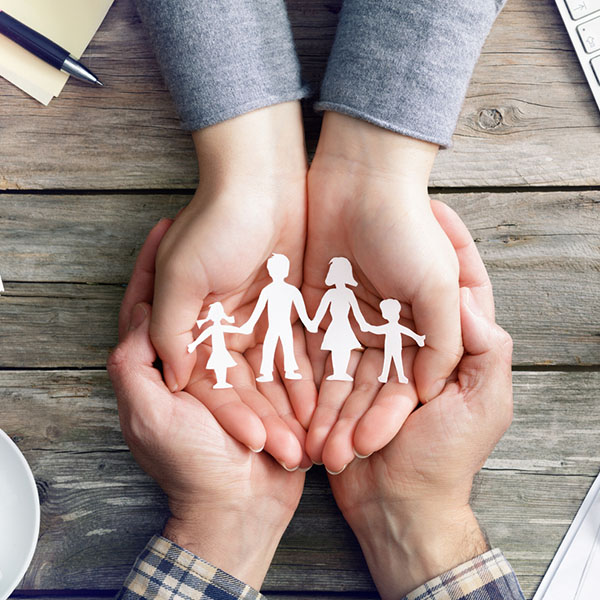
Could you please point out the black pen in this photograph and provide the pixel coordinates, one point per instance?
(44, 48)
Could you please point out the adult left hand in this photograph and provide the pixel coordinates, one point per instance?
(228, 504)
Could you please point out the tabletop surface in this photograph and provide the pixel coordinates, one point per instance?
(83, 180)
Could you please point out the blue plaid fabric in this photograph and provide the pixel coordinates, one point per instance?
(486, 577)
(166, 571)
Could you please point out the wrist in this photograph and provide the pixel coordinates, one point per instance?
(240, 542)
(267, 143)
(406, 549)
(357, 147)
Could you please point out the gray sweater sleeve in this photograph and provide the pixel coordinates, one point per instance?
(405, 64)
(223, 58)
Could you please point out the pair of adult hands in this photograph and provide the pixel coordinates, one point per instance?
(231, 505)
(367, 201)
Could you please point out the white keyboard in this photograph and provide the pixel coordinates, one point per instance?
(582, 19)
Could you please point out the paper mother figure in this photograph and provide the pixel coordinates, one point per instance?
(393, 331)
(220, 359)
(339, 338)
(278, 298)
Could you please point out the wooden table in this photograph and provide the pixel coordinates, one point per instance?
(83, 181)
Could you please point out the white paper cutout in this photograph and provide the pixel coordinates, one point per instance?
(220, 359)
(339, 338)
(392, 346)
(278, 298)
(1, 285)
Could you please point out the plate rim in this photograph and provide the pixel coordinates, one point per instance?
(34, 542)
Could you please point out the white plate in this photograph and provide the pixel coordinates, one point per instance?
(19, 516)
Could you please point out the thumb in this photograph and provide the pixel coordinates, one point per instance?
(135, 353)
(482, 337)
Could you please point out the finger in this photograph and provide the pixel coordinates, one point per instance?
(481, 336)
(130, 366)
(141, 285)
(228, 408)
(332, 395)
(485, 372)
(179, 292)
(472, 271)
(317, 357)
(388, 412)
(338, 451)
(436, 312)
(302, 393)
(277, 396)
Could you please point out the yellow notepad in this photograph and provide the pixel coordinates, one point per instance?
(69, 23)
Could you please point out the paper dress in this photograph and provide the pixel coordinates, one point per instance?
(339, 338)
(220, 359)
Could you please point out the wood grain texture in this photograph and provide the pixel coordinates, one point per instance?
(99, 509)
(542, 250)
(527, 93)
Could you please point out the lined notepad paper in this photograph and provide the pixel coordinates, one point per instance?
(69, 23)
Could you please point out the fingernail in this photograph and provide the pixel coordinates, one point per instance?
(319, 464)
(286, 467)
(169, 376)
(259, 449)
(361, 455)
(305, 469)
(471, 302)
(336, 472)
(138, 314)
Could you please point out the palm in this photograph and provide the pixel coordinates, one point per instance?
(196, 458)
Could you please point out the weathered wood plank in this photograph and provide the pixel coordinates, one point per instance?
(95, 238)
(526, 92)
(75, 325)
(542, 250)
(99, 509)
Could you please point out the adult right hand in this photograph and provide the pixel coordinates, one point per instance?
(229, 505)
(408, 504)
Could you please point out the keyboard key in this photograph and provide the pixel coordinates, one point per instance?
(582, 8)
(590, 35)
(595, 62)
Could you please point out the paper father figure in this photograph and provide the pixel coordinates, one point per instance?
(278, 298)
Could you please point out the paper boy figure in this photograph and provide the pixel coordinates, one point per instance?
(278, 297)
(392, 348)
(220, 359)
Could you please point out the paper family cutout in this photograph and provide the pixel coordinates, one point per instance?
(278, 298)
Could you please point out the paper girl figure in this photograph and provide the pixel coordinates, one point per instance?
(220, 359)
(278, 298)
(393, 331)
(339, 337)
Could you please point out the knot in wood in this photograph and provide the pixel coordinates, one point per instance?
(490, 118)
(43, 490)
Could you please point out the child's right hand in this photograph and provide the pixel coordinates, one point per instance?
(250, 202)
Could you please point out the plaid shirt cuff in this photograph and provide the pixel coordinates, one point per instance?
(166, 571)
(486, 577)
